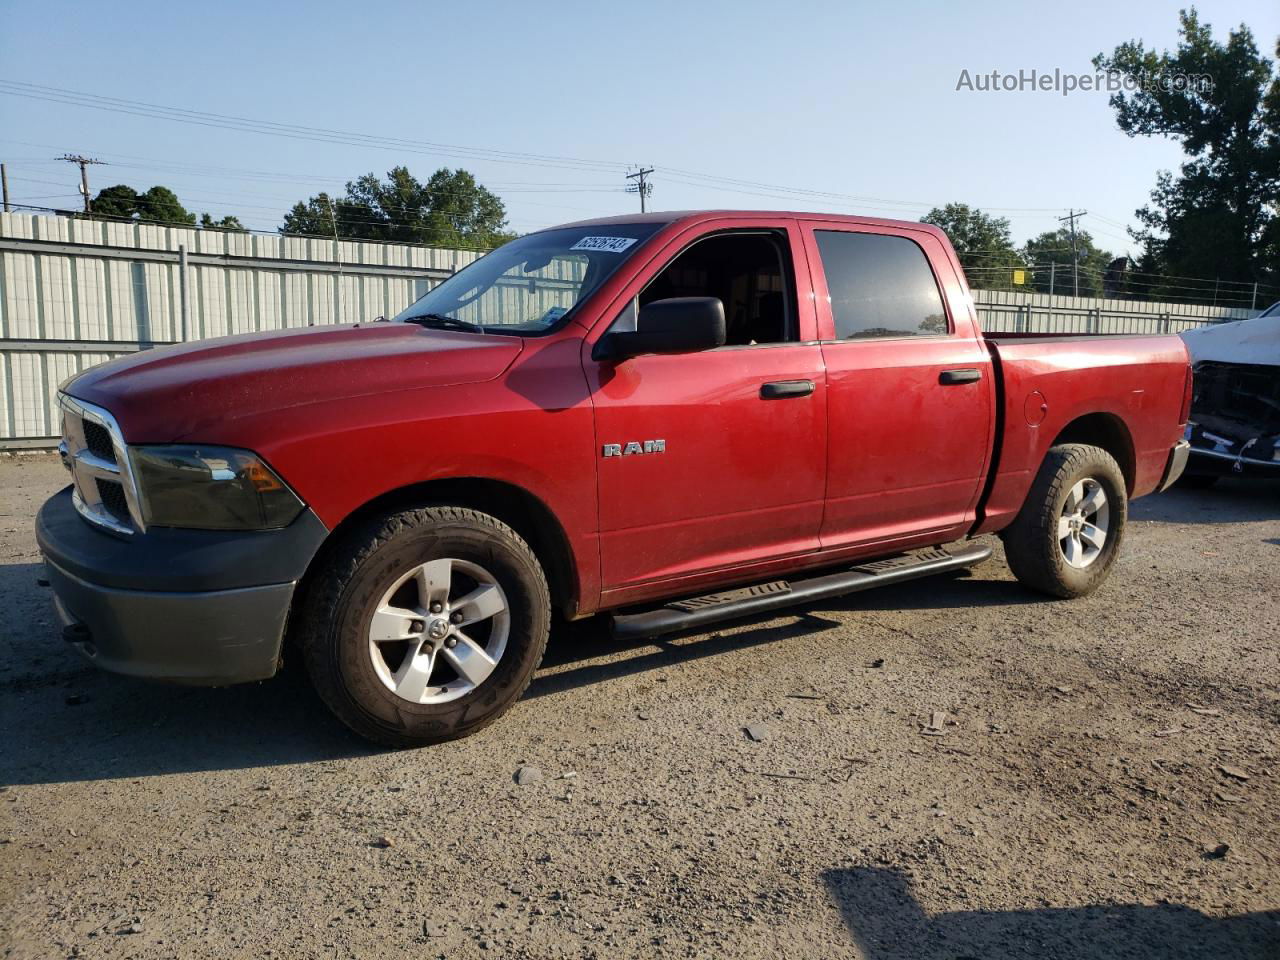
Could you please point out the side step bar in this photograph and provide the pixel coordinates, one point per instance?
(748, 601)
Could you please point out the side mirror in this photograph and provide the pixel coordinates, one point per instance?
(675, 325)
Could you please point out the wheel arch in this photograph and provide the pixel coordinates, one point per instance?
(1108, 432)
(521, 510)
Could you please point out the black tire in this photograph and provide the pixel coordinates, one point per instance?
(1031, 543)
(340, 602)
(1197, 481)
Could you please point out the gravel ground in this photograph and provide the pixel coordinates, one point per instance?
(1105, 783)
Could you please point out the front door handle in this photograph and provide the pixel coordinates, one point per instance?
(950, 378)
(780, 389)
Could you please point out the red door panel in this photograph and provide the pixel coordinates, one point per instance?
(907, 454)
(741, 478)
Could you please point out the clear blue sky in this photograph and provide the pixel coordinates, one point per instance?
(855, 100)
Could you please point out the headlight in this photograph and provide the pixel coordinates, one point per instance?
(211, 488)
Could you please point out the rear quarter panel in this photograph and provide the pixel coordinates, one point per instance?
(1138, 380)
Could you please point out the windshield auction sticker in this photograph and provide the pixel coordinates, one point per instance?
(604, 244)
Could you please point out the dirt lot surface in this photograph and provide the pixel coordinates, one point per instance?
(1106, 782)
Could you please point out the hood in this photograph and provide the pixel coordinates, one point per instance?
(170, 393)
(1255, 341)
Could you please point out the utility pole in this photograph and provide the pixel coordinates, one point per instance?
(337, 257)
(4, 182)
(83, 163)
(1075, 259)
(643, 186)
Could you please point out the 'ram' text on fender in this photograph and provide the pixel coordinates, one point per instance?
(634, 447)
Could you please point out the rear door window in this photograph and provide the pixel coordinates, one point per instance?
(880, 286)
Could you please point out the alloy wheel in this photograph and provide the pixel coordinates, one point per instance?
(439, 631)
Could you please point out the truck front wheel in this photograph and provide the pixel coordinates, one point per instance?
(1067, 535)
(425, 625)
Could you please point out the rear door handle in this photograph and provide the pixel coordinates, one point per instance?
(780, 389)
(950, 378)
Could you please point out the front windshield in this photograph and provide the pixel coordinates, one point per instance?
(527, 285)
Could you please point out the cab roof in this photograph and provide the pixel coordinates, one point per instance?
(668, 217)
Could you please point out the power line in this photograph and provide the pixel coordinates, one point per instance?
(297, 131)
(289, 130)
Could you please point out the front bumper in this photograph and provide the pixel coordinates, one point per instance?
(215, 637)
(191, 606)
(1176, 463)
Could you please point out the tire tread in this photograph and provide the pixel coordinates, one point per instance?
(320, 613)
(1031, 545)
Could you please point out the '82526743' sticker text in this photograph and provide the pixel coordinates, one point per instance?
(604, 244)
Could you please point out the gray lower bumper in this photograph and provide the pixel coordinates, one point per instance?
(1176, 464)
(194, 606)
(212, 637)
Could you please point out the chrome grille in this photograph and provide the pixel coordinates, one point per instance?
(93, 449)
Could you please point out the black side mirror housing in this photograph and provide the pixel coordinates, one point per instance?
(674, 325)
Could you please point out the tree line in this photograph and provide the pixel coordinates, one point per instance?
(156, 205)
(1044, 263)
(451, 209)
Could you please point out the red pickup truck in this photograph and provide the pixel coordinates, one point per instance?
(672, 418)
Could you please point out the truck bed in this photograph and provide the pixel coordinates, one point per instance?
(1049, 391)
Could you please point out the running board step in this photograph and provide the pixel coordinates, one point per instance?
(748, 601)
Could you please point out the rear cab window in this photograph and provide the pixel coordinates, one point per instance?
(880, 286)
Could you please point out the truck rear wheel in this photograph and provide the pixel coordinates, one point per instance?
(425, 625)
(1067, 535)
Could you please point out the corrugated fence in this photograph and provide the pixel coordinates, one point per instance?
(77, 292)
(1009, 311)
(74, 293)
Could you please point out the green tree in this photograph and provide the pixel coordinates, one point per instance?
(226, 223)
(450, 209)
(161, 205)
(1217, 217)
(119, 201)
(982, 243)
(316, 218)
(1054, 247)
(157, 205)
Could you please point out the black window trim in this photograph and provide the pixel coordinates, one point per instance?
(942, 297)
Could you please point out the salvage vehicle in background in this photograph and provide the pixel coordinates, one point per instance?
(1235, 411)
(671, 418)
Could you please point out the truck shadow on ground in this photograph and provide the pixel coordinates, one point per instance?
(887, 923)
(564, 669)
(72, 722)
(1230, 500)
